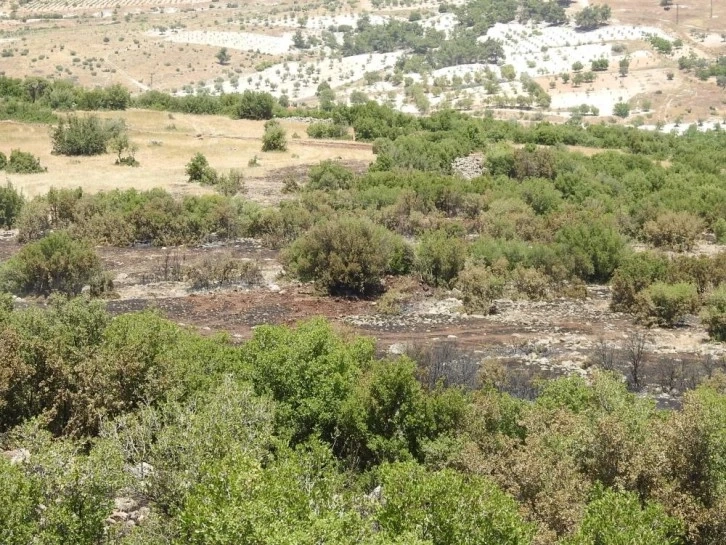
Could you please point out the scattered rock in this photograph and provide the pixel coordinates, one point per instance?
(17, 456)
(468, 167)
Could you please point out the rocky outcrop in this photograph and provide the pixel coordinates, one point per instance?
(468, 167)
(127, 512)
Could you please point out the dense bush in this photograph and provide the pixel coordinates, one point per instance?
(329, 176)
(55, 263)
(327, 130)
(86, 135)
(11, 202)
(714, 314)
(440, 257)
(302, 434)
(348, 256)
(595, 247)
(199, 171)
(253, 105)
(673, 230)
(635, 273)
(121, 218)
(23, 162)
(479, 288)
(668, 304)
(275, 138)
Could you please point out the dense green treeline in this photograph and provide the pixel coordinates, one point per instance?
(303, 436)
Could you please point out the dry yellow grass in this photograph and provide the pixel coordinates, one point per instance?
(166, 143)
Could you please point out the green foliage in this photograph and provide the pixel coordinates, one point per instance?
(223, 56)
(11, 202)
(437, 506)
(327, 130)
(198, 169)
(275, 138)
(3, 160)
(23, 162)
(440, 257)
(347, 255)
(61, 495)
(86, 135)
(593, 16)
(296, 499)
(55, 263)
(635, 273)
(329, 176)
(668, 304)
(621, 109)
(661, 45)
(714, 314)
(595, 247)
(619, 518)
(600, 65)
(479, 288)
(309, 372)
(253, 105)
(181, 439)
(121, 144)
(387, 418)
(719, 229)
(121, 218)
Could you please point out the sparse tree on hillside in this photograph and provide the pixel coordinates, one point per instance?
(593, 16)
(223, 56)
(624, 67)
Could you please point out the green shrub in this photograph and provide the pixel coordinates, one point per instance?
(621, 109)
(329, 175)
(531, 283)
(595, 247)
(55, 263)
(198, 169)
(673, 230)
(253, 105)
(63, 496)
(714, 314)
(275, 138)
(667, 304)
(440, 257)
(87, 135)
(322, 129)
(3, 160)
(434, 506)
(622, 517)
(230, 184)
(23, 162)
(33, 222)
(278, 227)
(343, 256)
(635, 273)
(719, 229)
(479, 288)
(309, 371)
(11, 203)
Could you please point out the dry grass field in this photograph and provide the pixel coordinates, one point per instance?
(166, 143)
